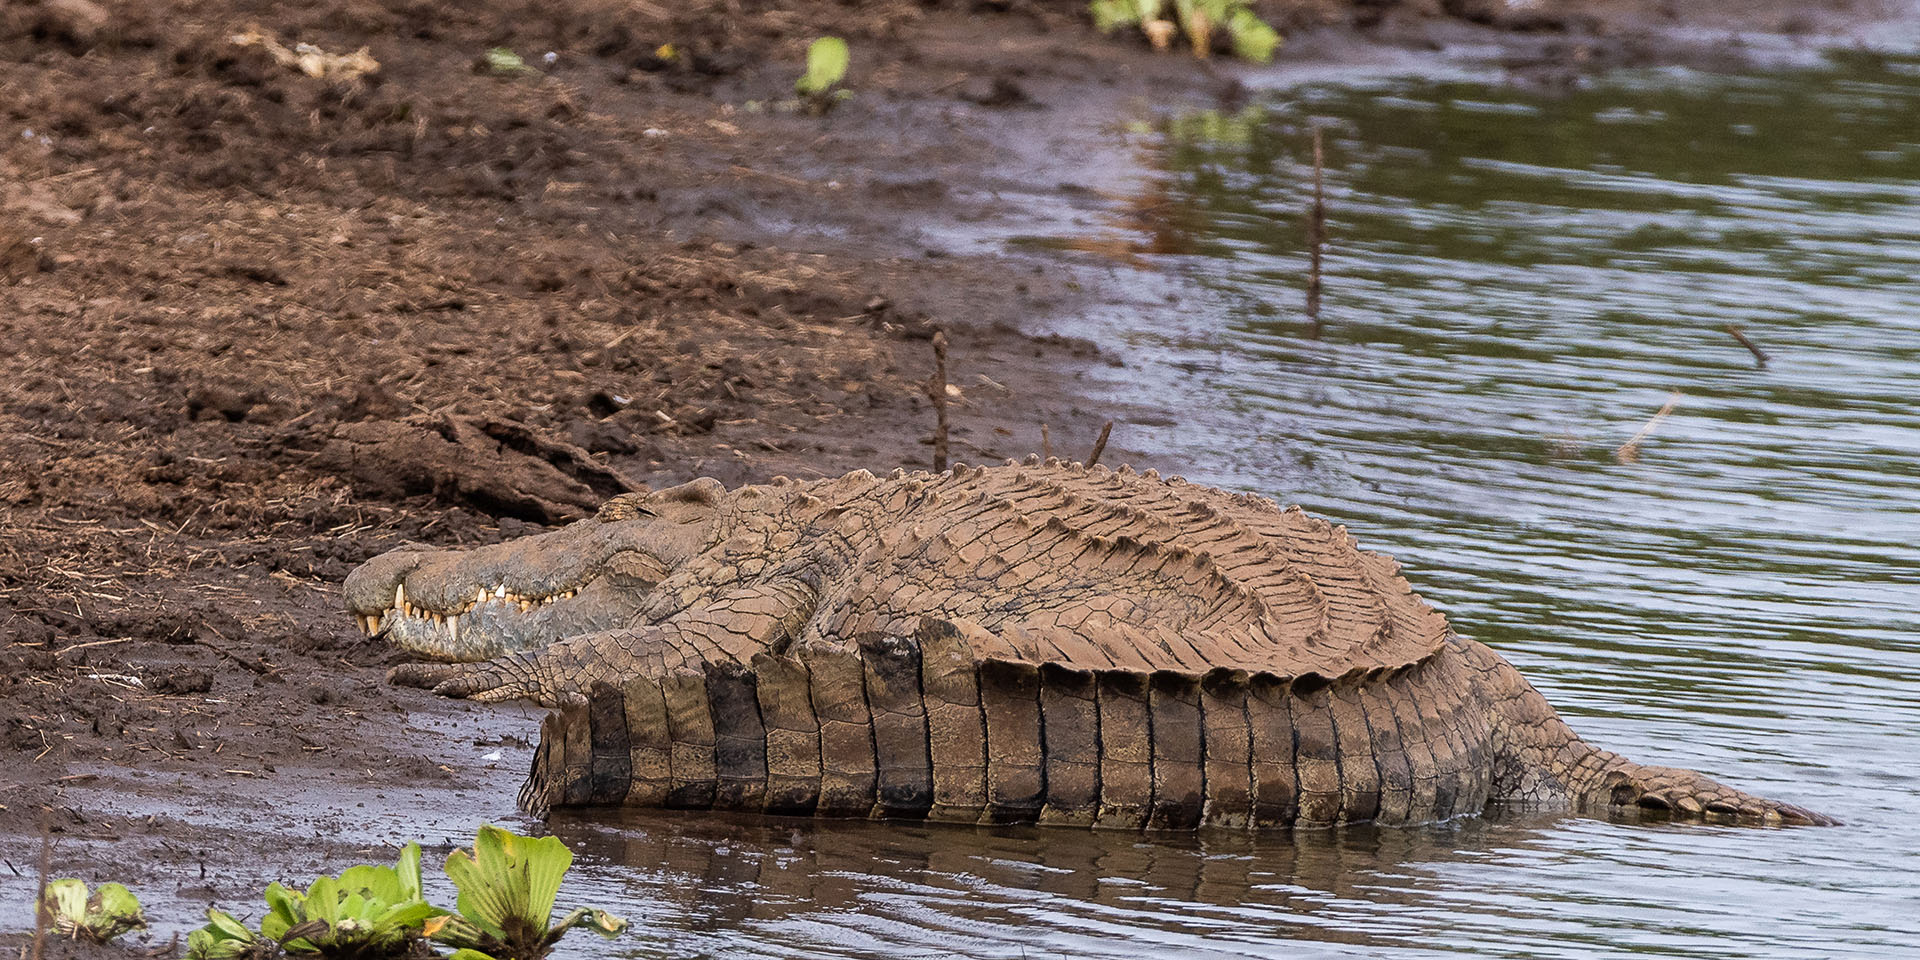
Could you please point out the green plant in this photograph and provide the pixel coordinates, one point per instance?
(507, 889)
(827, 60)
(111, 911)
(503, 62)
(366, 913)
(1252, 38)
(226, 938)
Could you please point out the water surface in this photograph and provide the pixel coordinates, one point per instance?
(1516, 281)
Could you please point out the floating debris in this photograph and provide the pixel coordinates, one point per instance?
(1760, 356)
(1629, 452)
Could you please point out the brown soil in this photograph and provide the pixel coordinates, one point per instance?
(261, 326)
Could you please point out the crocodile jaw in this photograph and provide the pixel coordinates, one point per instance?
(478, 604)
(492, 623)
(589, 576)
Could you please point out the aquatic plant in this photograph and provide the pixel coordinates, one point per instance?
(366, 913)
(111, 911)
(226, 938)
(508, 886)
(1252, 38)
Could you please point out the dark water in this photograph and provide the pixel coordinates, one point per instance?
(1516, 282)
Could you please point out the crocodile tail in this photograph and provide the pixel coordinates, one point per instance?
(1539, 759)
(1612, 782)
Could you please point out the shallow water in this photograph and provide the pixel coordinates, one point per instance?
(1516, 281)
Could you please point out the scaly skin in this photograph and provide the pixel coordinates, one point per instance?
(1030, 642)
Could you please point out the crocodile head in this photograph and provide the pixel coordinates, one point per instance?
(592, 575)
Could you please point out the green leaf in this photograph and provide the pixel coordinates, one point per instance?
(406, 915)
(599, 921)
(408, 869)
(323, 900)
(284, 909)
(367, 880)
(224, 938)
(116, 902)
(503, 61)
(1253, 39)
(201, 945)
(468, 953)
(224, 924)
(66, 902)
(546, 861)
(827, 61)
(1110, 15)
(483, 900)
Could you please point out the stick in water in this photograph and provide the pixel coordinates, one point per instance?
(1629, 452)
(1100, 445)
(937, 390)
(1046, 443)
(42, 913)
(1316, 234)
(1759, 355)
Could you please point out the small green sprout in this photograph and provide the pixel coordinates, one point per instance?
(827, 61)
(503, 62)
(111, 911)
(507, 890)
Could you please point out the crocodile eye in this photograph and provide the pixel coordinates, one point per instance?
(628, 506)
(632, 565)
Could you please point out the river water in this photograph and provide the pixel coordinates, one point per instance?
(1516, 281)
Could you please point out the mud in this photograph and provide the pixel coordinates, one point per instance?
(260, 326)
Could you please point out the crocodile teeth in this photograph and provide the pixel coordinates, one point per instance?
(450, 617)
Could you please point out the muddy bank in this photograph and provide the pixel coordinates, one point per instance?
(261, 326)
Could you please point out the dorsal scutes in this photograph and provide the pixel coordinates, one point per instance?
(1055, 547)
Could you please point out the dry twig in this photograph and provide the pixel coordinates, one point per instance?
(1100, 445)
(42, 916)
(1629, 452)
(938, 391)
(1760, 356)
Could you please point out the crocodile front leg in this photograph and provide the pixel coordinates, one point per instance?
(730, 629)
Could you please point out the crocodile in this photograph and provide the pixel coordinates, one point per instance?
(1034, 642)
